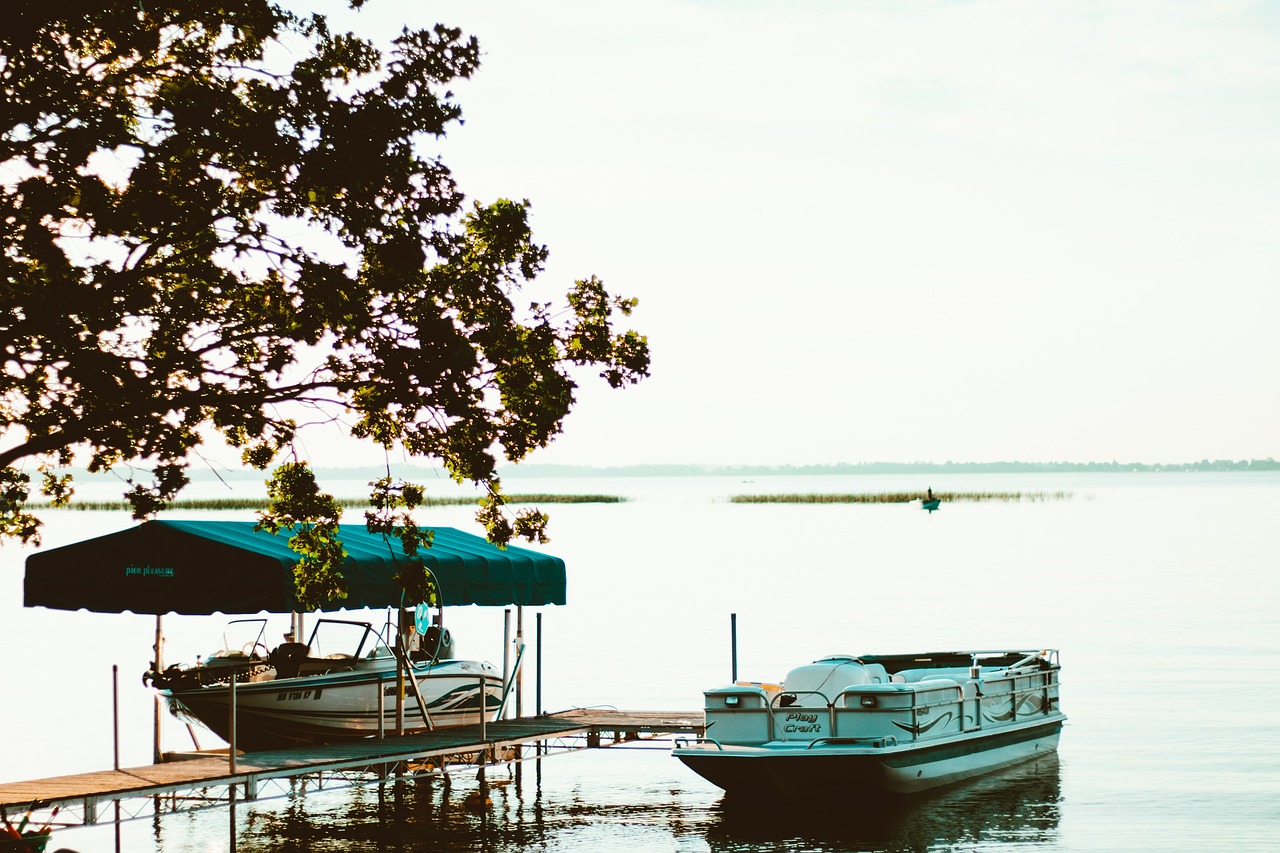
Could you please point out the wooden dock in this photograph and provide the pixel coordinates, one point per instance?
(80, 796)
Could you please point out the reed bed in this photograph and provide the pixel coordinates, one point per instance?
(345, 503)
(898, 497)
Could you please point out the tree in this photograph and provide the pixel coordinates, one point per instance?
(218, 218)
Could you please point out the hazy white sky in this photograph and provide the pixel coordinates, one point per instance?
(896, 231)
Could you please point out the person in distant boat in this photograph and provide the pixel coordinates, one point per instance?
(930, 494)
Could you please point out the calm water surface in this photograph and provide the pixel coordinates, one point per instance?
(1160, 590)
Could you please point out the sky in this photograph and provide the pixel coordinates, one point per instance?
(907, 231)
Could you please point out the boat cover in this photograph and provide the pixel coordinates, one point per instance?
(197, 567)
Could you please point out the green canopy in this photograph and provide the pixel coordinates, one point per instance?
(195, 567)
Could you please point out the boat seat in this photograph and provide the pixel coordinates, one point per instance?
(914, 675)
(877, 673)
(287, 658)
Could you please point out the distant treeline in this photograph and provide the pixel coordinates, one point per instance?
(426, 475)
(345, 503)
(845, 468)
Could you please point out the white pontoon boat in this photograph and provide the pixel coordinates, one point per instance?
(895, 723)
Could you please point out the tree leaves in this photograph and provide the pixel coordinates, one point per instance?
(216, 216)
(297, 506)
(393, 503)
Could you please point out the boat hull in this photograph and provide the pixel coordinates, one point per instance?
(318, 709)
(796, 771)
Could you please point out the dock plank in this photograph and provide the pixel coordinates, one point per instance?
(194, 773)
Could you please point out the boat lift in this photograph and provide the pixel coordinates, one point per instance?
(230, 567)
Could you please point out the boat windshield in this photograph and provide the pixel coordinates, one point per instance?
(243, 637)
(334, 637)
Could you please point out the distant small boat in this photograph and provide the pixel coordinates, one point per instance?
(931, 505)
(847, 726)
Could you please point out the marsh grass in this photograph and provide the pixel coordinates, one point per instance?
(363, 503)
(345, 503)
(899, 497)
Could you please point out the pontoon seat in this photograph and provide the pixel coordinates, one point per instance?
(925, 673)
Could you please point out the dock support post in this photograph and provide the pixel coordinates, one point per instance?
(506, 648)
(519, 675)
(538, 679)
(401, 667)
(231, 743)
(115, 714)
(157, 753)
(90, 811)
(484, 736)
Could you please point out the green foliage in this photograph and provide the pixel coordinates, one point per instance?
(57, 487)
(529, 523)
(297, 506)
(224, 504)
(393, 502)
(14, 488)
(217, 216)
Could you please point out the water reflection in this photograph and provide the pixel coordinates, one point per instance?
(411, 814)
(1020, 805)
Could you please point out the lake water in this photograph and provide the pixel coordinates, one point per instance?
(1162, 592)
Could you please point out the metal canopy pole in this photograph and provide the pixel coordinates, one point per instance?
(156, 752)
(401, 665)
(231, 742)
(519, 675)
(506, 652)
(115, 712)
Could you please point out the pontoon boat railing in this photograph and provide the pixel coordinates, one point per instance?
(1044, 681)
(831, 710)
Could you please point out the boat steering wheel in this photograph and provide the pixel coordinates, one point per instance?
(251, 649)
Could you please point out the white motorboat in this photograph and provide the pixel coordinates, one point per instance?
(341, 684)
(878, 723)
